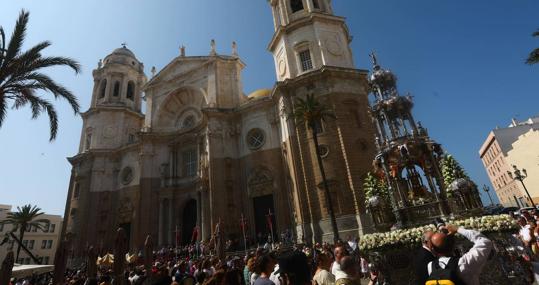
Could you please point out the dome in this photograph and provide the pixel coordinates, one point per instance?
(124, 51)
(260, 93)
(123, 56)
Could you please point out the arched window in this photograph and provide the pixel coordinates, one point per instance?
(130, 90)
(116, 92)
(316, 4)
(103, 88)
(305, 60)
(296, 5)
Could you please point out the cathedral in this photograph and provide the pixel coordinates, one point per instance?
(203, 152)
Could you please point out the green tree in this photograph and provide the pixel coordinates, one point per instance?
(375, 187)
(452, 170)
(533, 57)
(312, 113)
(21, 77)
(23, 220)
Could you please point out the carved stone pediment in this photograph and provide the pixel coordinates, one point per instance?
(260, 182)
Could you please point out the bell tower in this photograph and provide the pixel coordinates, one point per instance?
(118, 80)
(115, 114)
(308, 36)
(312, 57)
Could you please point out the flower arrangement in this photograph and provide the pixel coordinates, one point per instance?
(413, 236)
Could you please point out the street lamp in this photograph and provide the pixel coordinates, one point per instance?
(487, 190)
(520, 175)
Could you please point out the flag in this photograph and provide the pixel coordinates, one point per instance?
(269, 220)
(194, 236)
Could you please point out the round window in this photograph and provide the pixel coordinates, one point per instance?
(126, 175)
(188, 122)
(255, 138)
(324, 150)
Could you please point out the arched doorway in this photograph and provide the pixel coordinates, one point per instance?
(189, 221)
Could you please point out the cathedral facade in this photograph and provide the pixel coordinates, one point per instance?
(204, 153)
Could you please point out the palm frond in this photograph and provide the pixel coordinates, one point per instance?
(20, 76)
(53, 117)
(56, 61)
(2, 45)
(3, 109)
(533, 57)
(46, 83)
(17, 38)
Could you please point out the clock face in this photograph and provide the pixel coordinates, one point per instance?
(282, 67)
(333, 47)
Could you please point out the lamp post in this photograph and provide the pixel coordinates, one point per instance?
(520, 175)
(487, 190)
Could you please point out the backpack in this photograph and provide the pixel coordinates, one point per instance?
(445, 276)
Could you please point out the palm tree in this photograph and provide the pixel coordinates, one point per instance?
(23, 220)
(20, 76)
(533, 58)
(311, 112)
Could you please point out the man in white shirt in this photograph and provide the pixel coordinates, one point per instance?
(525, 233)
(339, 252)
(471, 263)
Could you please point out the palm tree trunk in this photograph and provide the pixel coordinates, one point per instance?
(19, 244)
(326, 186)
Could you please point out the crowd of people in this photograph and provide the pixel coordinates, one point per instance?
(318, 264)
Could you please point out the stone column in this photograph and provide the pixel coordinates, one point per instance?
(171, 222)
(276, 17)
(160, 232)
(308, 5)
(108, 88)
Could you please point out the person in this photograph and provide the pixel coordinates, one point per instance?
(422, 258)
(264, 267)
(294, 269)
(339, 252)
(524, 232)
(350, 274)
(181, 276)
(470, 264)
(247, 270)
(200, 278)
(275, 276)
(322, 276)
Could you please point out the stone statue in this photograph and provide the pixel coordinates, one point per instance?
(182, 50)
(234, 49)
(213, 48)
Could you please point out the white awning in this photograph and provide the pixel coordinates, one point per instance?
(20, 271)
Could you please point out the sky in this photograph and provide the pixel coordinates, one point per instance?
(463, 61)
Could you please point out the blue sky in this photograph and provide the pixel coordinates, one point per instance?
(462, 60)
